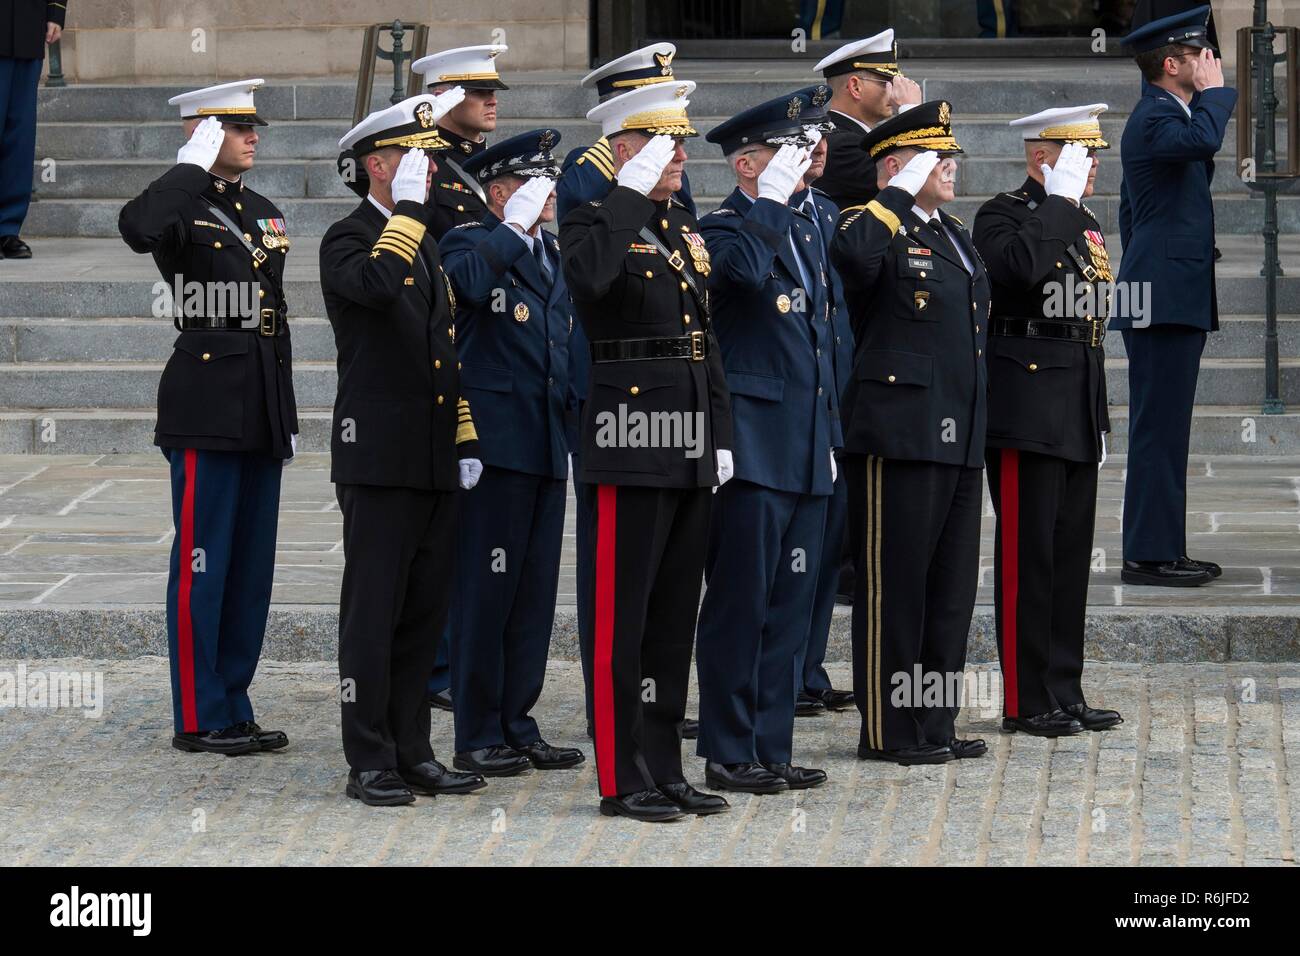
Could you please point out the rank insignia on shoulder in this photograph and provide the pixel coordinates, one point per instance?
(1018, 197)
(466, 225)
(956, 220)
(521, 312)
(596, 203)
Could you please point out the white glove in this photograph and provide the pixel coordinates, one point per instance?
(815, 135)
(784, 173)
(411, 180)
(726, 466)
(524, 207)
(446, 101)
(835, 472)
(204, 144)
(642, 171)
(293, 443)
(471, 470)
(911, 178)
(1069, 178)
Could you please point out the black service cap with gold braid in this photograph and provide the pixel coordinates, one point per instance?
(410, 123)
(653, 110)
(924, 127)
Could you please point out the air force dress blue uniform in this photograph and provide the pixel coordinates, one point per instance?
(226, 421)
(514, 318)
(1166, 222)
(770, 290)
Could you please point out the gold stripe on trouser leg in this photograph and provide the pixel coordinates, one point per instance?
(875, 603)
(868, 684)
(1001, 14)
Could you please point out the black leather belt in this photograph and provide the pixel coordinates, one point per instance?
(269, 323)
(1090, 333)
(694, 347)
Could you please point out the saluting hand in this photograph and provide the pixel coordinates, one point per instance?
(1208, 73)
(446, 101)
(204, 144)
(902, 92)
(643, 171)
(524, 207)
(1069, 177)
(411, 181)
(911, 178)
(783, 174)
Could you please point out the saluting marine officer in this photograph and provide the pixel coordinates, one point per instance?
(586, 175)
(770, 296)
(513, 320)
(402, 440)
(656, 437)
(227, 420)
(457, 197)
(1047, 414)
(914, 439)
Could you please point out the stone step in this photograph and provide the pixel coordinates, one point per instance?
(117, 339)
(1235, 214)
(710, 175)
(1022, 88)
(1216, 430)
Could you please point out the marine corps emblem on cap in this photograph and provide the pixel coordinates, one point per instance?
(424, 114)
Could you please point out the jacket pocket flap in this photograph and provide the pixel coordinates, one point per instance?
(488, 378)
(635, 378)
(210, 346)
(895, 368)
(756, 386)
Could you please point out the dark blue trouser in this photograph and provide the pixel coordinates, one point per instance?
(810, 674)
(762, 566)
(440, 679)
(584, 527)
(18, 82)
(503, 605)
(1163, 362)
(225, 505)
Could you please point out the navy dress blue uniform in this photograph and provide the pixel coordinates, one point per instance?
(1047, 415)
(654, 355)
(915, 422)
(587, 175)
(513, 321)
(400, 427)
(1166, 222)
(226, 420)
(22, 51)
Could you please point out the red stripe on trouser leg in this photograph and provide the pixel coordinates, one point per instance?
(603, 658)
(1009, 523)
(184, 620)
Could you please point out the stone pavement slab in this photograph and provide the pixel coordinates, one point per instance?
(1204, 771)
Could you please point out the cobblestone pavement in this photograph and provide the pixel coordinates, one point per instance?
(96, 530)
(1206, 770)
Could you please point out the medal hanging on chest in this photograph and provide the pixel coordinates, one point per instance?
(1100, 257)
(699, 252)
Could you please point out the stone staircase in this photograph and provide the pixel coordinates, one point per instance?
(77, 346)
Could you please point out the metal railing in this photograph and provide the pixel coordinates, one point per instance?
(398, 53)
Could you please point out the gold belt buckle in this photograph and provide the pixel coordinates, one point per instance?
(267, 325)
(676, 260)
(1098, 332)
(258, 257)
(1090, 273)
(697, 346)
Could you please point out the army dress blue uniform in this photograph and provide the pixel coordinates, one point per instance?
(1166, 221)
(226, 421)
(514, 321)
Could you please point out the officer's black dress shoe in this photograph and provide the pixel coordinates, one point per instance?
(1054, 723)
(907, 756)
(1163, 574)
(742, 778)
(835, 699)
(692, 801)
(546, 757)
(440, 699)
(690, 728)
(432, 778)
(378, 788)
(11, 247)
(805, 705)
(1212, 569)
(797, 778)
(966, 749)
(495, 761)
(648, 806)
(266, 739)
(1092, 718)
(232, 741)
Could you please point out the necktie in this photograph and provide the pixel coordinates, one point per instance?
(945, 243)
(539, 253)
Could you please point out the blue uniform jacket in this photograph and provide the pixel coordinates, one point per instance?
(513, 337)
(1166, 214)
(828, 215)
(779, 357)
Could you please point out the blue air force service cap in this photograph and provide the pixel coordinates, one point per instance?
(1189, 29)
(528, 154)
(779, 122)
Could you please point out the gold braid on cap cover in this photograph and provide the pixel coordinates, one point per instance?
(930, 137)
(426, 140)
(1087, 134)
(669, 122)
